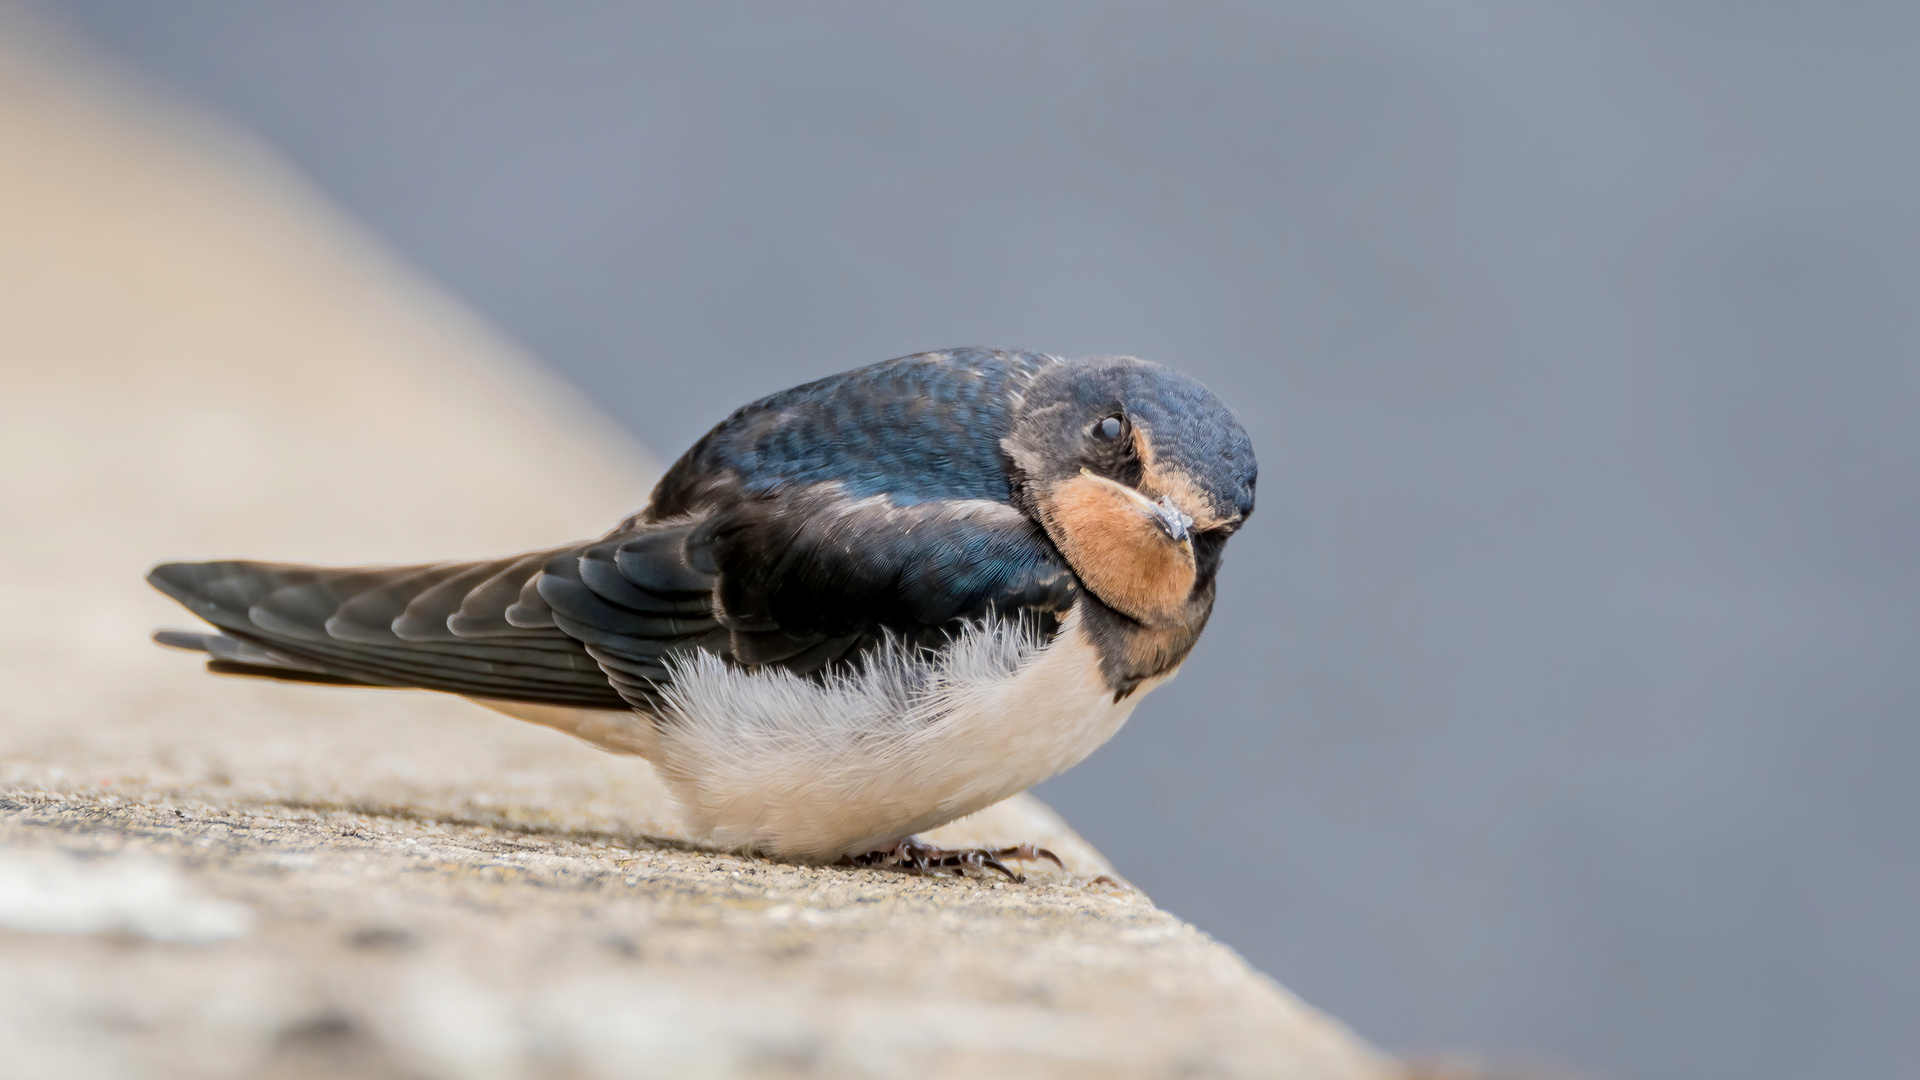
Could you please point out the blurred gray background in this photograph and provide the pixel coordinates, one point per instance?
(1562, 697)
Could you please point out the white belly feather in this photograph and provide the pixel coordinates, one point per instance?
(794, 768)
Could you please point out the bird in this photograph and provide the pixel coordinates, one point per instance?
(853, 611)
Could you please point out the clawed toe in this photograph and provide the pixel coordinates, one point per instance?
(913, 857)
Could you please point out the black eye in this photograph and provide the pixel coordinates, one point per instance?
(1110, 428)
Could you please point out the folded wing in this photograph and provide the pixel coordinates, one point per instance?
(466, 628)
(801, 532)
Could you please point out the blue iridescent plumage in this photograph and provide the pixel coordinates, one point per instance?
(803, 530)
(914, 429)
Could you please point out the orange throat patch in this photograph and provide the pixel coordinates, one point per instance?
(1118, 551)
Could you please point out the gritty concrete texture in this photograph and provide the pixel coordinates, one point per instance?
(204, 877)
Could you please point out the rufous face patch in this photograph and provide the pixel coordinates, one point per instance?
(1109, 534)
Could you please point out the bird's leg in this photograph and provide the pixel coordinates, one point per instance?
(911, 856)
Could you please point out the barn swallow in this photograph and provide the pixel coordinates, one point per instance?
(853, 611)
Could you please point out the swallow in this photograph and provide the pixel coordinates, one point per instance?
(854, 611)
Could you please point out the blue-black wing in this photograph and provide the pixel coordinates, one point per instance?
(804, 583)
(467, 628)
(825, 519)
(804, 530)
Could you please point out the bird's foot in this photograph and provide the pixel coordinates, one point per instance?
(913, 857)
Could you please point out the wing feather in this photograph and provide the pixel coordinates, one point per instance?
(803, 531)
(340, 625)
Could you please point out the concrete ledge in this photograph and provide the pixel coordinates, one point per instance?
(340, 942)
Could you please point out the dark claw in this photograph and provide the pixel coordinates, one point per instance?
(913, 857)
(1029, 853)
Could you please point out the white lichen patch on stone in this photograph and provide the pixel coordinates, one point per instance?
(46, 892)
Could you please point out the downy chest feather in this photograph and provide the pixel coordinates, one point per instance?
(808, 770)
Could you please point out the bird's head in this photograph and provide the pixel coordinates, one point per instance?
(1139, 475)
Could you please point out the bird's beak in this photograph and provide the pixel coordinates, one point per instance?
(1173, 521)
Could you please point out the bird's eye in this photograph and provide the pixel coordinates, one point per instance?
(1110, 428)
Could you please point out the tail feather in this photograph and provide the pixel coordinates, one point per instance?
(316, 624)
(591, 625)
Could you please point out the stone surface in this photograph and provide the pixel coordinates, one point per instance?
(214, 877)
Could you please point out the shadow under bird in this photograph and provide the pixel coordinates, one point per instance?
(855, 610)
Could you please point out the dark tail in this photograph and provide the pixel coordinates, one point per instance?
(478, 629)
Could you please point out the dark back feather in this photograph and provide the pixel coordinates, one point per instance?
(919, 428)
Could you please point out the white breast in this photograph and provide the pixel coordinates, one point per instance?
(771, 762)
